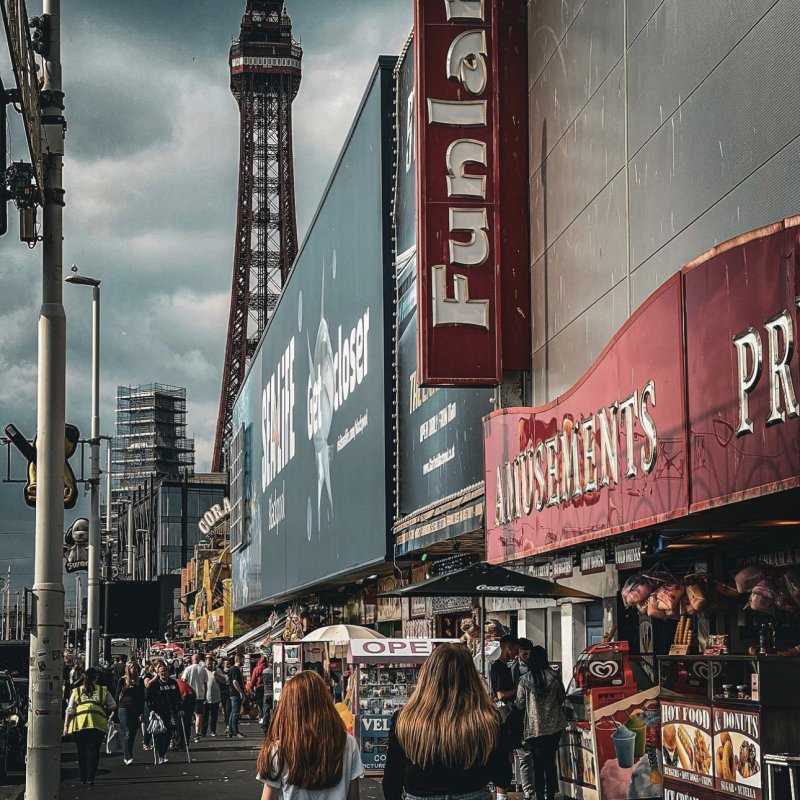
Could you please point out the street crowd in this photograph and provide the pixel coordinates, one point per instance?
(169, 702)
(453, 740)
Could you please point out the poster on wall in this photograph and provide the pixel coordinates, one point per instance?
(737, 752)
(686, 745)
(374, 742)
(313, 405)
(627, 747)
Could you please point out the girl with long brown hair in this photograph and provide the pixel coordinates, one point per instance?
(446, 740)
(307, 754)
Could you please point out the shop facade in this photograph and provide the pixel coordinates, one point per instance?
(671, 470)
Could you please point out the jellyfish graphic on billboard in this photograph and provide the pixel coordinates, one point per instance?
(321, 388)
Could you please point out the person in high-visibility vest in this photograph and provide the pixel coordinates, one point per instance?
(87, 721)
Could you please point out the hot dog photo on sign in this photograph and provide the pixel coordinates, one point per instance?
(686, 743)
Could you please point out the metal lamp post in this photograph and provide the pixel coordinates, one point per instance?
(93, 581)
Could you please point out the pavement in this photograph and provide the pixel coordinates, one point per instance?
(220, 768)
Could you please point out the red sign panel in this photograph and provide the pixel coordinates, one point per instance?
(608, 453)
(618, 452)
(459, 238)
(743, 368)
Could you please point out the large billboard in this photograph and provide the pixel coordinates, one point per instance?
(471, 179)
(692, 405)
(439, 430)
(313, 406)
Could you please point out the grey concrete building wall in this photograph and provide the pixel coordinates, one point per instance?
(658, 128)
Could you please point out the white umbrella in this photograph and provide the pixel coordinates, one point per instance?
(341, 634)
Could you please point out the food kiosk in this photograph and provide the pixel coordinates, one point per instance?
(720, 715)
(610, 749)
(385, 673)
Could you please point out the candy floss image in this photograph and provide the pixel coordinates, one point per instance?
(628, 748)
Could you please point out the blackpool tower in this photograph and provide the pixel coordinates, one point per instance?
(265, 64)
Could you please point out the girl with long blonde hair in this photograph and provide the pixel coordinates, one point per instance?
(307, 754)
(446, 740)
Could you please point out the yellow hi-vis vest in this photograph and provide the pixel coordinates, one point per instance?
(90, 710)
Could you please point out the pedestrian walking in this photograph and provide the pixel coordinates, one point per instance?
(197, 677)
(88, 710)
(118, 669)
(255, 686)
(307, 752)
(236, 687)
(76, 674)
(541, 694)
(213, 699)
(519, 667)
(446, 741)
(164, 699)
(501, 687)
(130, 708)
(225, 689)
(180, 736)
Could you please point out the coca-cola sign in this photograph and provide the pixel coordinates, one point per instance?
(684, 410)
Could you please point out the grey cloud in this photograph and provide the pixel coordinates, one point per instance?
(151, 174)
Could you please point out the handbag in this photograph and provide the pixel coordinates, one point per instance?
(156, 724)
(503, 711)
(113, 739)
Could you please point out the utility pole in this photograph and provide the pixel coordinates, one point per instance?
(93, 580)
(109, 563)
(47, 631)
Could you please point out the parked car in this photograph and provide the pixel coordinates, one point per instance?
(13, 729)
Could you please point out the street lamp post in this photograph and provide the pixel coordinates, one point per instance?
(93, 580)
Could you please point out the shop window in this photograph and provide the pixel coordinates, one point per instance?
(594, 623)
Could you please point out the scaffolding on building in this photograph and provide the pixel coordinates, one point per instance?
(151, 440)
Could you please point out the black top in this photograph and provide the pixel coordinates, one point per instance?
(131, 697)
(500, 678)
(164, 698)
(400, 774)
(235, 674)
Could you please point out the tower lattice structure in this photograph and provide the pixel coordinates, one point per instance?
(265, 64)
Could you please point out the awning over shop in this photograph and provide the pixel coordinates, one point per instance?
(441, 522)
(258, 633)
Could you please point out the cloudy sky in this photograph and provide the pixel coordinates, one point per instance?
(150, 176)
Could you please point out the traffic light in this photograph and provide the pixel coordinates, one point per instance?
(40, 35)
